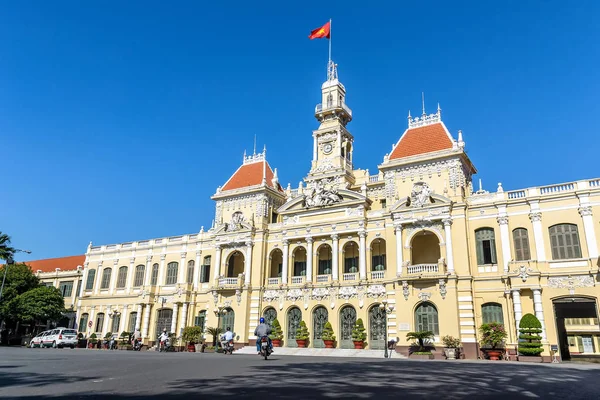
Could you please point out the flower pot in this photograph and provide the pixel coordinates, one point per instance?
(199, 348)
(191, 348)
(359, 345)
(276, 342)
(450, 353)
(494, 354)
(329, 344)
(301, 343)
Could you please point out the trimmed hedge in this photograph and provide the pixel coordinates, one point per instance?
(530, 339)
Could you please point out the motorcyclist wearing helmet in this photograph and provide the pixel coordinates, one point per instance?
(260, 331)
(162, 339)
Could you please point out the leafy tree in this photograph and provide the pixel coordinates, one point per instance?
(214, 332)
(529, 339)
(192, 334)
(6, 251)
(420, 337)
(36, 305)
(19, 280)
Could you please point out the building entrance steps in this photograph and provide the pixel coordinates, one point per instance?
(307, 352)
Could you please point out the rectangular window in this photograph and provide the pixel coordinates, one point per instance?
(89, 284)
(190, 272)
(83, 321)
(383, 204)
(66, 288)
(78, 292)
(154, 278)
(299, 268)
(200, 320)
(172, 269)
(324, 267)
(139, 276)
(122, 277)
(132, 320)
(115, 324)
(105, 278)
(486, 246)
(564, 239)
(378, 262)
(350, 265)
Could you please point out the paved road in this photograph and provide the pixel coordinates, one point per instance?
(94, 374)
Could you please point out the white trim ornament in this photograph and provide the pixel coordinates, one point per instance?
(571, 283)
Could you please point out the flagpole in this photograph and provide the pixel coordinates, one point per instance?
(329, 39)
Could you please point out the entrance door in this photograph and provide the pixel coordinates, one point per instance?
(588, 344)
(293, 323)
(163, 320)
(320, 316)
(269, 315)
(565, 310)
(376, 328)
(347, 321)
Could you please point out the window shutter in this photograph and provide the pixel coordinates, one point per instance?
(493, 250)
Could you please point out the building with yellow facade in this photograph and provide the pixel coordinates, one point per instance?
(416, 236)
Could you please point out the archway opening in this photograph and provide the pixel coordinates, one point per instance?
(378, 255)
(577, 328)
(347, 322)
(235, 264)
(425, 248)
(300, 261)
(294, 317)
(324, 256)
(276, 264)
(320, 318)
(350, 258)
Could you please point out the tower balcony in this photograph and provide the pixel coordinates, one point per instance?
(322, 109)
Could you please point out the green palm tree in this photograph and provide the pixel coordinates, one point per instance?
(6, 251)
(420, 337)
(214, 332)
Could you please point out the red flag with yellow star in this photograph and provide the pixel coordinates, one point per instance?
(322, 32)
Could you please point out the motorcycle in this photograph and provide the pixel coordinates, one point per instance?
(137, 345)
(265, 349)
(227, 346)
(165, 345)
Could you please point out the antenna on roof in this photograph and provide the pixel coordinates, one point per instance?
(423, 101)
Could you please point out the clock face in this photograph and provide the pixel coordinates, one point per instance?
(327, 148)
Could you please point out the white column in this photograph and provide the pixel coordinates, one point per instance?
(197, 269)
(147, 311)
(98, 279)
(505, 239)
(74, 291)
(161, 271)
(588, 226)
(309, 259)
(174, 320)
(538, 309)
(184, 315)
(335, 270)
(284, 266)
(113, 277)
(399, 249)
(124, 319)
(181, 278)
(77, 318)
(315, 147)
(148, 271)
(138, 317)
(248, 264)
(517, 308)
(130, 275)
(362, 254)
(92, 316)
(84, 279)
(449, 253)
(217, 271)
(538, 235)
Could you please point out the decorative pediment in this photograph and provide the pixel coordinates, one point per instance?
(237, 223)
(421, 198)
(319, 198)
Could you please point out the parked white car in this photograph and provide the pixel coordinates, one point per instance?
(60, 337)
(37, 340)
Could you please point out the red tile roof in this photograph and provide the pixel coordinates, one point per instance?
(421, 140)
(50, 264)
(251, 175)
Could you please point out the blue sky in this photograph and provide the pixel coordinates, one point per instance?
(119, 119)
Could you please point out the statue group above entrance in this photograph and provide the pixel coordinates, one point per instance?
(320, 197)
(420, 195)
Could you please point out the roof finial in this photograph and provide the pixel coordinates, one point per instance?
(254, 144)
(244, 155)
(439, 110)
(409, 117)
(423, 101)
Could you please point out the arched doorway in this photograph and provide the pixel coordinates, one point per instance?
(426, 318)
(320, 318)
(269, 315)
(235, 264)
(347, 321)
(164, 318)
(276, 259)
(227, 320)
(377, 328)
(576, 327)
(294, 316)
(425, 248)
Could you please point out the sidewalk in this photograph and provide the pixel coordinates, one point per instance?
(307, 352)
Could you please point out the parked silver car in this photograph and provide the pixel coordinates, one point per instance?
(60, 337)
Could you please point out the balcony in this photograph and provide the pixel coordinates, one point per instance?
(422, 269)
(349, 277)
(429, 270)
(320, 108)
(323, 278)
(377, 275)
(273, 281)
(228, 282)
(298, 280)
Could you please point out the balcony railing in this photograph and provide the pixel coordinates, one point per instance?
(422, 268)
(228, 281)
(297, 280)
(320, 107)
(323, 278)
(273, 281)
(349, 276)
(377, 274)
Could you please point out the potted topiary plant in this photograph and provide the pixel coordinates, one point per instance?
(191, 335)
(81, 341)
(530, 345)
(451, 345)
(493, 334)
(328, 336)
(422, 338)
(358, 334)
(302, 334)
(276, 333)
(92, 341)
(124, 345)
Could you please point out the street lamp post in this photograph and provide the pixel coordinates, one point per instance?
(386, 310)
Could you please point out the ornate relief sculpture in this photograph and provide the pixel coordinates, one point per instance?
(236, 222)
(320, 197)
(420, 195)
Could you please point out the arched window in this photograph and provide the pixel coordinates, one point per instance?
(200, 320)
(172, 268)
(378, 255)
(154, 277)
(485, 246)
(350, 258)
(122, 277)
(299, 256)
(564, 239)
(324, 257)
(83, 321)
(89, 284)
(139, 276)
(116, 322)
(99, 322)
(521, 242)
(205, 271)
(105, 278)
(132, 320)
(190, 271)
(492, 312)
(426, 318)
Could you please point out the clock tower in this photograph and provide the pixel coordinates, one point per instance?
(332, 143)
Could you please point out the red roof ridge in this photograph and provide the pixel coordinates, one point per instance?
(426, 138)
(68, 263)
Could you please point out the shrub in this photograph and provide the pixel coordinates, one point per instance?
(108, 335)
(328, 332)
(125, 337)
(214, 332)
(192, 334)
(302, 331)
(492, 334)
(93, 338)
(276, 331)
(451, 341)
(358, 332)
(421, 337)
(529, 338)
